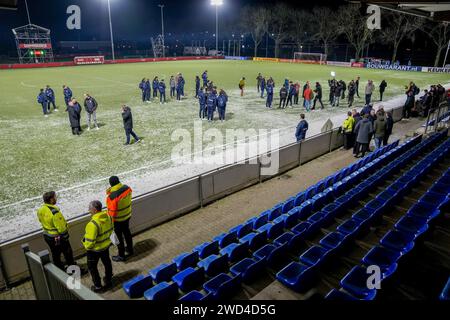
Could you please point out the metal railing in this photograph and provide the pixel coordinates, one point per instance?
(50, 282)
(436, 116)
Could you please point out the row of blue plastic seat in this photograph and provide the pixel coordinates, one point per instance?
(399, 241)
(440, 119)
(183, 266)
(299, 275)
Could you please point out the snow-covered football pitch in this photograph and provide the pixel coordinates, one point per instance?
(40, 154)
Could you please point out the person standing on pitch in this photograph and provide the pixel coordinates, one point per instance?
(74, 111)
(222, 100)
(205, 78)
(90, 105)
(55, 230)
(357, 86)
(302, 128)
(291, 93)
(383, 86)
(162, 92)
(97, 241)
(258, 81)
(197, 85)
(173, 86)
(118, 203)
(269, 98)
(242, 86)
(211, 105)
(263, 86)
(67, 94)
(148, 90)
(202, 103)
(351, 93)
(142, 87)
(370, 88)
(42, 100)
(318, 97)
(297, 93)
(283, 96)
(50, 98)
(155, 85)
(128, 125)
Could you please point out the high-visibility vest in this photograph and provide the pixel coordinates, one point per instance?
(52, 221)
(118, 202)
(349, 124)
(98, 232)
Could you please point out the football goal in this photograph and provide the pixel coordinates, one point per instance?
(316, 58)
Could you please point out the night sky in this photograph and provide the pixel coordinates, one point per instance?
(135, 20)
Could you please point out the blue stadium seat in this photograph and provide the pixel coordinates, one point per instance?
(309, 193)
(226, 238)
(301, 228)
(305, 210)
(284, 238)
(433, 198)
(424, 210)
(206, 249)
(163, 272)
(300, 234)
(363, 215)
(264, 252)
(222, 286)
(260, 221)
(254, 240)
(299, 199)
(349, 227)
(288, 205)
(297, 276)
(384, 258)
(186, 260)
(275, 212)
(243, 229)
(280, 219)
(332, 240)
(194, 296)
(278, 257)
(189, 278)
(314, 256)
(355, 282)
(214, 264)
(265, 228)
(248, 269)
(291, 219)
(318, 201)
(136, 287)
(412, 225)
(445, 294)
(339, 295)
(332, 210)
(275, 230)
(235, 251)
(162, 292)
(398, 241)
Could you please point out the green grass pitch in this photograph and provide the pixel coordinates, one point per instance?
(38, 154)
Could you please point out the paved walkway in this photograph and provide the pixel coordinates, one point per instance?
(162, 243)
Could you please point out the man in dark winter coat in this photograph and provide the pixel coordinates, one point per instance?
(283, 96)
(318, 97)
(90, 105)
(363, 131)
(42, 100)
(302, 128)
(128, 125)
(74, 111)
(389, 128)
(383, 86)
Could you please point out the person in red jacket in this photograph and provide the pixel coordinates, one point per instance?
(308, 95)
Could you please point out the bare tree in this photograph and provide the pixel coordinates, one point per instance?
(301, 27)
(326, 26)
(352, 24)
(278, 25)
(400, 26)
(440, 34)
(254, 20)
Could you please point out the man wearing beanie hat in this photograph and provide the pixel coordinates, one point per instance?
(118, 202)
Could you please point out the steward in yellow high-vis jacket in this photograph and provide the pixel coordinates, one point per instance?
(97, 241)
(348, 128)
(118, 202)
(55, 230)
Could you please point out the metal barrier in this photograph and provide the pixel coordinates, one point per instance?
(50, 282)
(434, 121)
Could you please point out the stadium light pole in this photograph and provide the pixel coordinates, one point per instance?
(162, 29)
(217, 3)
(111, 32)
(446, 54)
(28, 12)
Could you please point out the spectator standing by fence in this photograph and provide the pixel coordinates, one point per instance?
(97, 241)
(302, 128)
(389, 128)
(363, 131)
(348, 127)
(55, 230)
(379, 129)
(118, 202)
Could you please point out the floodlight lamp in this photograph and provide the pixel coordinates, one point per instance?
(216, 2)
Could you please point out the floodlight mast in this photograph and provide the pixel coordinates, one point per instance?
(217, 3)
(162, 29)
(111, 32)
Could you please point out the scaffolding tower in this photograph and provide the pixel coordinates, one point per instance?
(158, 47)
(34, 44)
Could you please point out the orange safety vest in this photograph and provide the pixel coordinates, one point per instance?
(118, 202)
